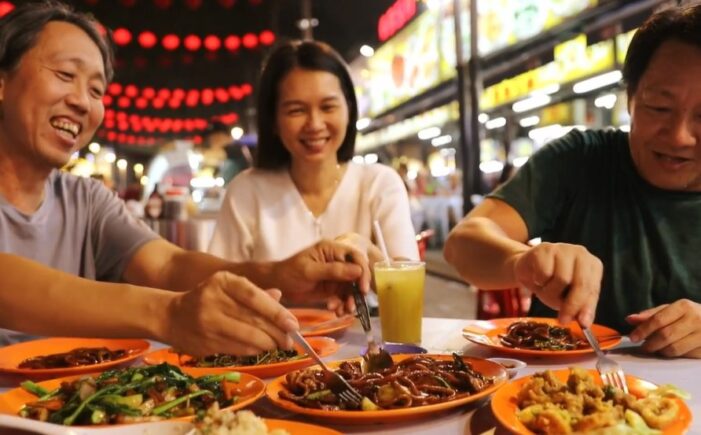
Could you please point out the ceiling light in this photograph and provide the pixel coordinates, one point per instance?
(531, 103)
(495, 123)
(606, 101)
(529, 121)
(491, 166)
(94, 147)
(362, 124)
(237, 133)
(441, 140)
(597, 82)
(429, 133)
(367, 51)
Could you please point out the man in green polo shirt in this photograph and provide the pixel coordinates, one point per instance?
(619, 214)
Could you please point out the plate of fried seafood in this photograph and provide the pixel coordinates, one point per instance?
(576, 401)
(416, 386)
(129, 395)
(540, 336)
(62, 356)
(264, 365)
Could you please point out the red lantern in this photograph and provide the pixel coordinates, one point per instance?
(266, 37)
(111, 136)
(147, 39)
(212, 43)
(163, 4)
(164, 93)
(250, 40)
(246, 88)
(207, 96)
(158, 103)
(114, 89)
(232, 42)
(107, 100)
(124, 102)
(170, 42)
(193, 4)
(192, 42)
(6, 8)
(131, 91)
(222, 95)
(148, 93)
(121, 36)
(227, 3)
(141, 103)
(178, 94)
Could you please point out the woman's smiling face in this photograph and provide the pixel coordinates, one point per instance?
(311, 115)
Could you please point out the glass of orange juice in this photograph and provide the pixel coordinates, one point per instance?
(400, 293)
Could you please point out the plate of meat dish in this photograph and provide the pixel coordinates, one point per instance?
(416, 386)
(54, 357)
(264, 365)
(539, 336)
(576, 401)
(129, 395)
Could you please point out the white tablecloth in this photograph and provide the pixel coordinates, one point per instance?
(444, 336)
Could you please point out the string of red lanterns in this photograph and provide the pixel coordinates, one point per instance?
(212, 43)
(123, 121)
(126, 96)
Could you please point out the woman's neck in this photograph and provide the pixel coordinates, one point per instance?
(316, 179)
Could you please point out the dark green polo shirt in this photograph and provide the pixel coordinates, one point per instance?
(584, 189)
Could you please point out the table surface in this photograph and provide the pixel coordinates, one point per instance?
(445, 336)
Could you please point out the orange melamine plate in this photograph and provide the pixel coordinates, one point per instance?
(485, 367)
(248, 389)
(324, 346)
(504, 402)
(315, 322)
(296, 428)
(487, 332)
(12, 356)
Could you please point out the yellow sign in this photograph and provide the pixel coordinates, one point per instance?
(573, 60)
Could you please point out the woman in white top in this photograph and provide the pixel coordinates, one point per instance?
(303, 186)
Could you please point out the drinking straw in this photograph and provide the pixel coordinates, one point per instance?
(381, 241)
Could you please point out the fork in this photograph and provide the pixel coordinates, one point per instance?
(609, 370)
(336, 383)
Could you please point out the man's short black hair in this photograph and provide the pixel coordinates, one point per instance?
(20, 28)
(678, 23)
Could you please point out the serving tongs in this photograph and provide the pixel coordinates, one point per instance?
(375, 358)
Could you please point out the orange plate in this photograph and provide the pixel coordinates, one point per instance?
(12, 356)
(485, 367)
(296, 428)
(248, 389)
(324, 346)
(504, 402)
(491, 329)
(314, 322)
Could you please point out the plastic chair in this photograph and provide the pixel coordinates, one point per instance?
(500, 303)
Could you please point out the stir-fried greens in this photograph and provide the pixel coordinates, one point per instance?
(226, 360)
(82, 356)
(540, 336)
(128, 396)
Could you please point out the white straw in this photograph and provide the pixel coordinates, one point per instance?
(381, 241)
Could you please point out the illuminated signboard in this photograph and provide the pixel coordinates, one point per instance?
(395, 18)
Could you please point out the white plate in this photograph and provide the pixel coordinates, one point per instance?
(153, 428)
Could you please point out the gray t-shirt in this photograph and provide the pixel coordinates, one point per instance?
(81, 228)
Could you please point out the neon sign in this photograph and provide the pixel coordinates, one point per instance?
(395, 18)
